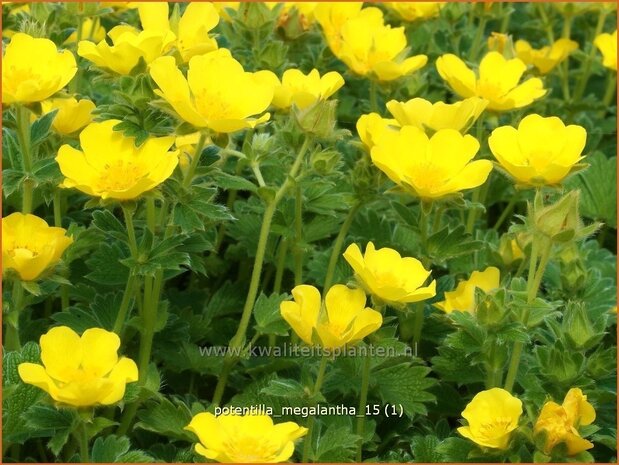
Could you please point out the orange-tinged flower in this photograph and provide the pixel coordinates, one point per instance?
(111, 166)
(33, 69)
(80, 371)
(205, 99)
(559, 423)
(497, 82)
(30, 246)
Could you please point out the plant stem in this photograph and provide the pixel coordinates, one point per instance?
(481, 28)
(536, 273)
(124, 305)
(256, 169)
(310, 424)
(363, 399)
(298, 236)
(565, 67)
(419, 306)
(12, 322)
(74, 84)
(133, 243)
(81, 435)
(506, 212)
(64, 289)
(585, 70)
(374, 96)
(281, 263)
(23, 134)
(195, 161)
(237, 340)
(611, 88)
(337, 246)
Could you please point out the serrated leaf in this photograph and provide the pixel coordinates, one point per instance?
(167, 419)
(40, 128)
(267, 315)
(406, 385)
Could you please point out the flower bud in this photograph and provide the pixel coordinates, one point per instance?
(573, 271)
(578, 328)
(561, 220)
(318, 119)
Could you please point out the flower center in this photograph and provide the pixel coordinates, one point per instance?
(119, 175)
(23, 253)
(495, 429)
(247, 449)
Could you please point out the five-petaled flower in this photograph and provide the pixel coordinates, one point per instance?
(81, 371)
(33, 69)
(462, 299)
(492, 416)
(394, 279)
(542, 151)
(497, 81)
(244, 438)
(30, 246)
(110, 166)
(344, 318)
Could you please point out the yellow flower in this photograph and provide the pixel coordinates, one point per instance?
(192, 34)
(217, 92)
(371, 48)
(463, 298)
(30, 246)
(244, 438)
(425, 115)
(607, 44)
(497, 42)
(559, 423)
(373, 127)
(305, 11)
(331, 16)
(91, 29)
(305, 90)
(412, 11)
(221, 8)
(390, 277)
(34, 69)
(80, 371)
(129, 46)
(509, 250)
(72, 115)
(492, 415)
(111, 166)
(497, 81)
(345, 319)
(546, 58)
(434, 167)
(541, 151)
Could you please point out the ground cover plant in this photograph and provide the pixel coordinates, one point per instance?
(311, 232)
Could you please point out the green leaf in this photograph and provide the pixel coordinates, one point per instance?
(449, 243)
(106, 265)
(107, 223)
(405, 385)
(167, 419)
(336, 444)
(268, 316)
(40, 128)
(424, 449)
(598, 187)
(280, 387)
(228, 181)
